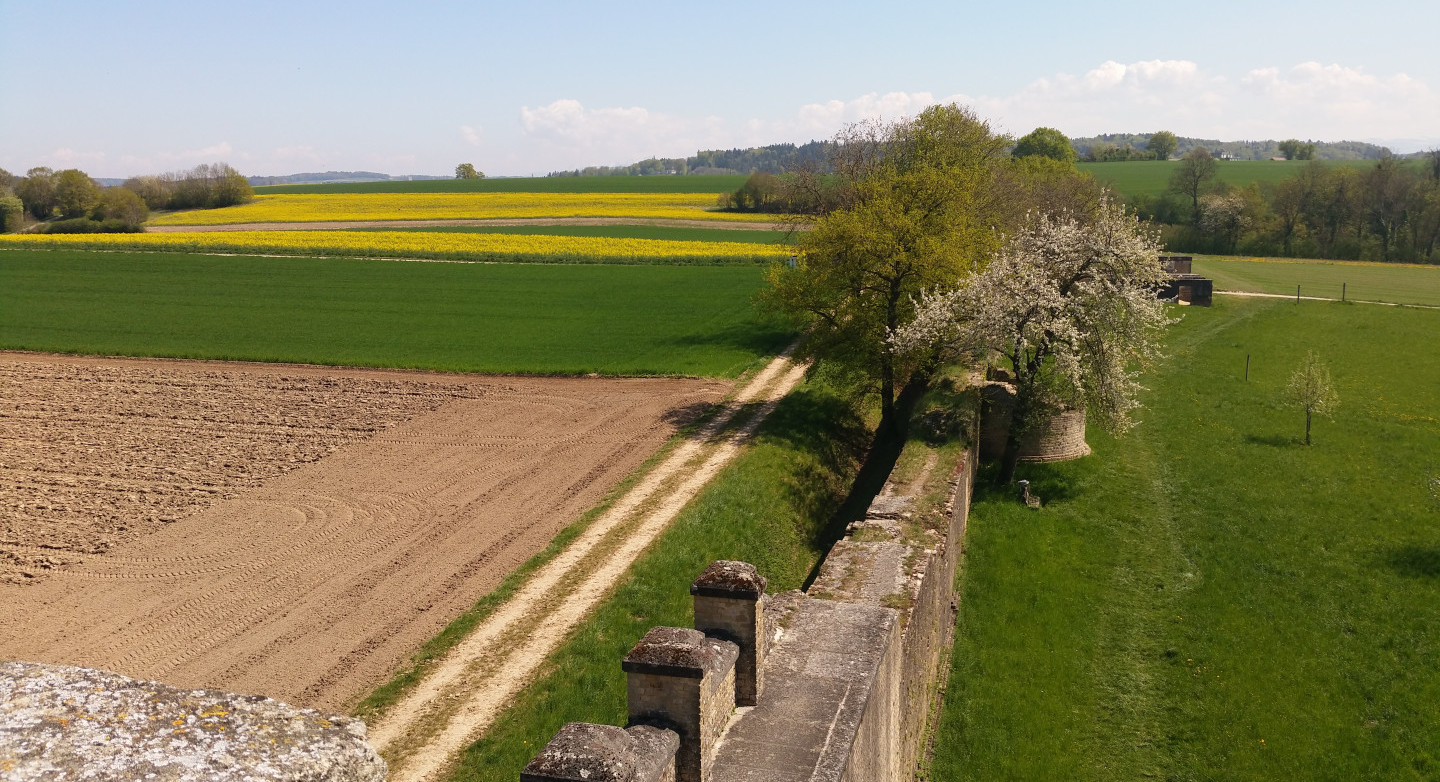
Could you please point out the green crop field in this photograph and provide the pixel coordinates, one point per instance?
(660, 232)
(1152, 177)
(1208, 598)
(1390, 282)
(580, 184)
(507, 318)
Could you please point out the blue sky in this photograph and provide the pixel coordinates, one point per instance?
(518, 88)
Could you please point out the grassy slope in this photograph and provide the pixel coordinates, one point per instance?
(1208, 599)
(1152, 177)
(771, 507)
(589, 184)
(542, 319)
(664, 233)
(1391, 282)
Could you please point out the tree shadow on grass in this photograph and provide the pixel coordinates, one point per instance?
(684, 415)
(1272, 440)
(1046, 482)
(764, 339)
(1415, 561)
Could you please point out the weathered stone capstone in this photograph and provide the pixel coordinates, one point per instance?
(63, 722)
(605, 753)
(729, 578)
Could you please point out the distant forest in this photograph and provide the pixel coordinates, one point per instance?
(1114, 146)
(774, 159)
(779, 158)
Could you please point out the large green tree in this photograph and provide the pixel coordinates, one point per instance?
(910, 208)
(1162, 144)
(75, 193)
(1197, 170)
(1045, 142)
(37, 192)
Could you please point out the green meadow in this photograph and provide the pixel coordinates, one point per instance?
(1152, 177)
(1389, 282)
(1208, 598)
(580, 184)
(462, 317)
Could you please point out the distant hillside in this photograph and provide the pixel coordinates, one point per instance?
(336, 176)
(772, 159)
(1237, 150)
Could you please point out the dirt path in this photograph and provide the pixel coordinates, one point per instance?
(1253, 295)
(462, 695)
(728, 225)
(317, 579)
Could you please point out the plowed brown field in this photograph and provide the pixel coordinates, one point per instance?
(292, 531)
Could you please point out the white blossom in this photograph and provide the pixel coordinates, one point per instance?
(1070, 303)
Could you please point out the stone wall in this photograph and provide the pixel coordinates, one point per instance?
(1059, 439)
(843, 678)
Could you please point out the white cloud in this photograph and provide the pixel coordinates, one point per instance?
(1308, 100)
(66, 157)
(573, 135)
(471, 135)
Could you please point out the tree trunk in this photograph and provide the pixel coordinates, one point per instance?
(887, 392)
(1307, 426)
(1011, 458)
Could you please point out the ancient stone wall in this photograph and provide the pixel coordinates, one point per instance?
(843, 678)
(1059, 439)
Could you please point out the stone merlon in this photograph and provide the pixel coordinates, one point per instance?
(678, 651)
(605, 753)
(728, 578)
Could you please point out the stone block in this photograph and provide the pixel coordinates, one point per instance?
(680, 679)
(604, 753)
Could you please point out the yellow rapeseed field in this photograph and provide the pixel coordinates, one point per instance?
(406, 244)
(457, 206)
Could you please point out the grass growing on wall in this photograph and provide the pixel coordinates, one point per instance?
(1208, 598)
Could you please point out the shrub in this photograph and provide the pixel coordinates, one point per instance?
(84, 225)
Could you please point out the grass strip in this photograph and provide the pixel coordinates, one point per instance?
(1355, 280)
(1209, 598)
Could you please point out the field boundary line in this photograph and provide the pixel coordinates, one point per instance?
(407, 718)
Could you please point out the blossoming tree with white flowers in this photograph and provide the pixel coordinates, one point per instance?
(1069, 304)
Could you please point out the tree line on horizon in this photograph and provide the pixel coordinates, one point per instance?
(1385, 211)
(777, 159)
(1388, 210)
(70, 201)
